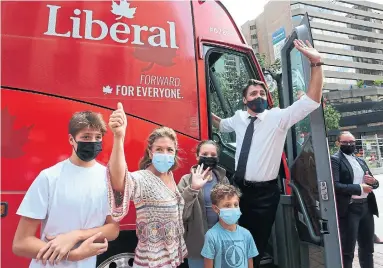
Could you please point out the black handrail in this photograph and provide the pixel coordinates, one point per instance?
(313, 236)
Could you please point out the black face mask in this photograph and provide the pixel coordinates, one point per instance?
(347, 149)
(87, 151)
(208, 162)
(257, 105)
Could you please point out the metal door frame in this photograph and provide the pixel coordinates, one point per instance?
(330, 231)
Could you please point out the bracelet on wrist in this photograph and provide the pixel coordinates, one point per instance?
(316, 64)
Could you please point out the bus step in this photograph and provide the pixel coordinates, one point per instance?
(267, 259)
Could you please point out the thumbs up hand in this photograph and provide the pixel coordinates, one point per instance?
(118, 121)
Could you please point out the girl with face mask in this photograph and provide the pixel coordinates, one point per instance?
(159, 204)
(195, 187)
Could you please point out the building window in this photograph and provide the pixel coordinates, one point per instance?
(339, 81)
(253, 27)
(336, 13)
(297, 18)
(253, 36)
(348, 47)
(351, 59)
(347, 36)
(339, 69)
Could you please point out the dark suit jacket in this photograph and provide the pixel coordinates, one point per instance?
(343, 176)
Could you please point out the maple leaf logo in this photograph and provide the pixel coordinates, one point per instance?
(155, 55)
(107, 90)
(123, 9)
(12, 140)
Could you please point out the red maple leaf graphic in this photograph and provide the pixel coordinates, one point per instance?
(155, 55)
(12, 140)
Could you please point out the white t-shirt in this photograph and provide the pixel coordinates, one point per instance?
(67, 197)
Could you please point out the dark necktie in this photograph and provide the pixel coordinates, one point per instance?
(244, 155)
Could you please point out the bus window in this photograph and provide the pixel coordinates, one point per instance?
(229, 73)
(302, 129)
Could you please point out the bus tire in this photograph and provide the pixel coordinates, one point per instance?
(120, 251)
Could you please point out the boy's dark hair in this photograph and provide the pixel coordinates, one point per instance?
(220, 191)
(252, 82)
(86, 119)
(202, 143)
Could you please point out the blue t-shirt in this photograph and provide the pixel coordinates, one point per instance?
(229, 249)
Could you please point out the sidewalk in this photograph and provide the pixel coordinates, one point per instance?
(378, 257)
(378, 248)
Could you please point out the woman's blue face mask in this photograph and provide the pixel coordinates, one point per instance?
(163, 162)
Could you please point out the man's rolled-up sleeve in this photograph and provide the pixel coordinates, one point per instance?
(227, 124)
(297, 111)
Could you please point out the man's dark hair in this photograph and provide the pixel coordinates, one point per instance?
(252, 82)
(343, 133)
(86, 119)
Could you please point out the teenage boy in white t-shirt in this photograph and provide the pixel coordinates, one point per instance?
(70, 202)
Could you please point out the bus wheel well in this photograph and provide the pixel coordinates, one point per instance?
(120, 252)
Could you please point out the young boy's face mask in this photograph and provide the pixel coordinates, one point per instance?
(230, 215)
(87, 151)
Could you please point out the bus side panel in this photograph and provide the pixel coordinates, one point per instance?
(34, 135)
(213, 22)
(144, 58)
(8, 229)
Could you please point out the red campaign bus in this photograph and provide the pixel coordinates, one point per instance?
(170, 63)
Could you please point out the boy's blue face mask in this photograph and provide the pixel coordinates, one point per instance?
(163, 162)
(230, 215)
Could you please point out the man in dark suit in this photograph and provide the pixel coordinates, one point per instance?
(356, 202)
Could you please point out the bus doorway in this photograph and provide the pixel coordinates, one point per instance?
(305, 233)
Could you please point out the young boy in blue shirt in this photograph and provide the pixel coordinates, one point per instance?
(227, 244)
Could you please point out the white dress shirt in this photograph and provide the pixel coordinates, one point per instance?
(270, 130)
(358, 174)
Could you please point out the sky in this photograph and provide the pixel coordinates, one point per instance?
(244, 10)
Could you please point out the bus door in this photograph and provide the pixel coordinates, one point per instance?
(312, 203)
(228, 71)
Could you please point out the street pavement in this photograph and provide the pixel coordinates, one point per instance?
(378, 254)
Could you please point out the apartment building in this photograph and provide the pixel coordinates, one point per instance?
(349, 34)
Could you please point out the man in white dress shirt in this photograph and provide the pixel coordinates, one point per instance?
(260, 138)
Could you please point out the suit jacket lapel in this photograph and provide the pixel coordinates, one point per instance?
(345, 161)
(363, 166)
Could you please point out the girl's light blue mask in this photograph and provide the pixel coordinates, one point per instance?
(230, 215)
(163, 162)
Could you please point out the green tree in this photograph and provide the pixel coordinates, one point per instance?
(332, 117)
(360, 83)
(378, 82)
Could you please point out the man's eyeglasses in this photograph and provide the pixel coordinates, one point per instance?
(347, 142)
